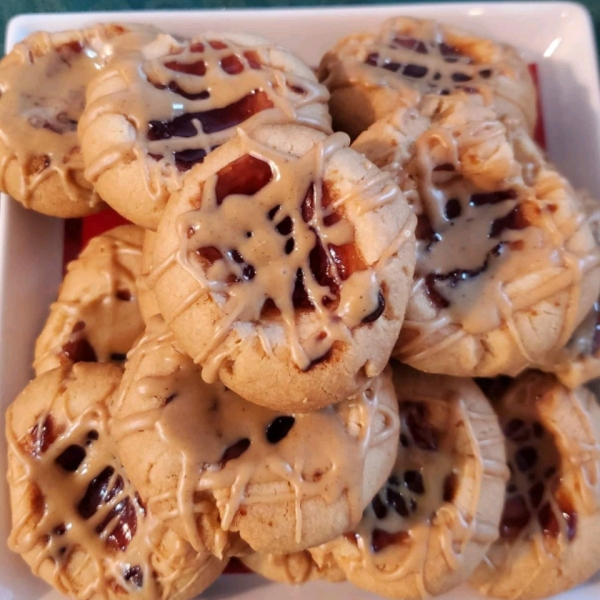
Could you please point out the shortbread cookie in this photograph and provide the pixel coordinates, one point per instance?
(146, 297)
(42, 95)
(281, 482)
(550, 529)
(370, 75)
(507, 266)
(289, 255)
(435, 518)
(96, 316)
(154, 113)
(76, 518)
(295, 568)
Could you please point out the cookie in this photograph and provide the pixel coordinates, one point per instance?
(579, 361)
(146, 297)
(76, 518)
(96, 316)
(42, 96)
(431, 524)
(290, 255)
(295, 568)
(550, 528)
(507, 266)
(217, 468)
(370, 75)
(154, 113)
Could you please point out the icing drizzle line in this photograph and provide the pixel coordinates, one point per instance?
(258, 456)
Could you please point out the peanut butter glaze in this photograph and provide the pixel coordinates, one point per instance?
(417, 486)
(422, 487)
(499, 230)
(82, 526)
(431, 503)
(414, 57)
(268, 241)
(96, 316)
(532, 504)
(479, 256)
(548, 526)
(239, 453)
(183, 99)
(42, 96)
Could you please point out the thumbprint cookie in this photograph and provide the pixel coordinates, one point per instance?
(433, 521)
(76, 519)
(96, 317)
(550, 528)
(294, 568)
(42, 96)
(289, 255)
(507, 265)
(579, 361)
(156, 112)
(370, 75)
(217, 468)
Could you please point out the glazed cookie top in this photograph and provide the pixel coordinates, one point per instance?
(182, 99)
(42, 86)
(96, 316)
(498, 229)
(76, 517)
(417, 56)
(444, 424)
(554, 469)
(280, 236)
(211, 440)
(549, 528)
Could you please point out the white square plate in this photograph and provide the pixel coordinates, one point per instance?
(556, 36)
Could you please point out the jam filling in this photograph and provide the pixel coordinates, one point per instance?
(134, 575)
(278, 429)
(329, 266)
(439, 284)
(191, 124)
(421, 481)
(78, 348)
(595, 348)
(105, 493)
(41, 437)
(412, 69)
(212, 121)
(235, 451)
(533, 493)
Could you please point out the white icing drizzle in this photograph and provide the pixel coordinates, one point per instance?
(320, 455)
(182, 99)
(92, 528)
(97, 302)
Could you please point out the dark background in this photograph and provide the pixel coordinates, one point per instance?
(10, 8)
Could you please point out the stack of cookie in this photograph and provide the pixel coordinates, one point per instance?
(215, 379)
